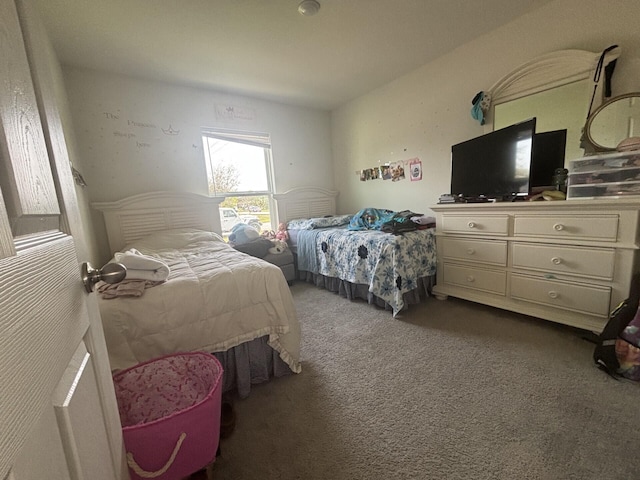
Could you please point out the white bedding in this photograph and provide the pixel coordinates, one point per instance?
(214, 299)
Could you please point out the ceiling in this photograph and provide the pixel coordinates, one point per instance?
(265, 48)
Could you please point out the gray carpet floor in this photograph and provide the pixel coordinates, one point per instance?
(449, 390)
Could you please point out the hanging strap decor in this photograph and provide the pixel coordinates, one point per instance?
(608, 69)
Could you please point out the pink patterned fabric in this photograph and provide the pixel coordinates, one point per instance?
(165, 399)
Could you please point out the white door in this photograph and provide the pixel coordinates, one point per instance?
(58, 417)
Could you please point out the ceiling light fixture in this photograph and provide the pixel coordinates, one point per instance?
(308, 7)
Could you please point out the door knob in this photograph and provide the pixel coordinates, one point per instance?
(110, 273)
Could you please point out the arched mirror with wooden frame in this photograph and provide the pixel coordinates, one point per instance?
(556, 88)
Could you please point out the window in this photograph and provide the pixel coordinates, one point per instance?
(239, 169)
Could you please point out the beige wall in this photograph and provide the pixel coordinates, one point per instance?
(126, 145)
(425, 112)
(137, 136)
(122, 149)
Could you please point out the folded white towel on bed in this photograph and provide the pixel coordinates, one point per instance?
(142, 267)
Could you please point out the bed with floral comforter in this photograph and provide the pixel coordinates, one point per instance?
(389, 269)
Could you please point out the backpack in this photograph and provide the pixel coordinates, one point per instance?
(617, 349)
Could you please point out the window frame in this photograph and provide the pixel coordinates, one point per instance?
(256, 139)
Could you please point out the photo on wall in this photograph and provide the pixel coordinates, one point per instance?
(397, 171)
(415, 169)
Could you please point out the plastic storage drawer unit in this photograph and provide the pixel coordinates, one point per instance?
(607, 175)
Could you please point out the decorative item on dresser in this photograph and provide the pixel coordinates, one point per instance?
(570, 262)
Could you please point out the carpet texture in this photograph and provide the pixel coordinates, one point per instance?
(449, 390)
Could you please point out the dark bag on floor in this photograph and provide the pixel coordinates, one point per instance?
(617, 349)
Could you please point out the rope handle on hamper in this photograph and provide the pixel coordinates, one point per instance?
(143, 473)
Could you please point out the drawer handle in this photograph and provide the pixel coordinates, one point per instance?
(471, 225)
(470, 251)
(556, 260)
(470, 279)
(553, 294)
(558, 227)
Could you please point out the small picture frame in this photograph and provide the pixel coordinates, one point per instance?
(397, 171)
(415, 170)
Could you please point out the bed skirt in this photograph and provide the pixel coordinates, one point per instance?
(250, 363)
(358, 290)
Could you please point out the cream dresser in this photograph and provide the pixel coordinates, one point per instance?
(569, 261)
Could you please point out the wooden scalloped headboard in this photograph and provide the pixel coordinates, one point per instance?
(134, 217)
(305, 202)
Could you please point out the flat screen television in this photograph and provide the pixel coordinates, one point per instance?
(494, 166)
(546, 157)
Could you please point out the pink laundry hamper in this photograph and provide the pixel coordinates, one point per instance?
(170, 413)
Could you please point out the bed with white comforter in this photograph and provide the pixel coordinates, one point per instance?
(214, 299)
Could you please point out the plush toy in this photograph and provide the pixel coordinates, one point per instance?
(282, 233)
(268, 234)
(242, 233)
(279, 246)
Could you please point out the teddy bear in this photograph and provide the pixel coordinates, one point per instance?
(279, 246)
(282, 233)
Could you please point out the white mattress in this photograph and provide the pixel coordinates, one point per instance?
(215, 298)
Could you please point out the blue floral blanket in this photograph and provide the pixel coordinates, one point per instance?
(389, 264)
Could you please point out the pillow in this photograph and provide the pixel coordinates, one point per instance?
(174, 238)
(318, 222)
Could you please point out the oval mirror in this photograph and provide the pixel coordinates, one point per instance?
(613, 121)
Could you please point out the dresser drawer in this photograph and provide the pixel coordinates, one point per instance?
(592, 262)
(470, 250)
(476, 225)
(476, 278)
(576, 297)
(586, 227)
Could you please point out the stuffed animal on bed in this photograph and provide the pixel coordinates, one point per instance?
(268, 234)
(282, 233)
(279, 246)
(242, 233)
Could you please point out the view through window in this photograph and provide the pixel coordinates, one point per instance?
(239, 169)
